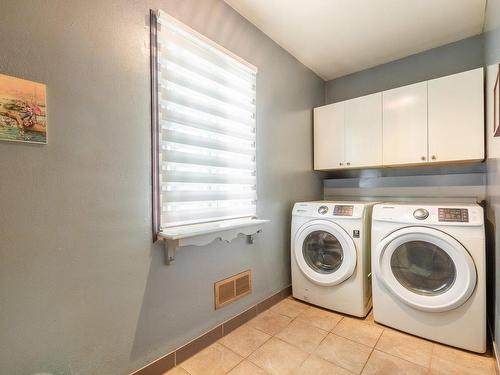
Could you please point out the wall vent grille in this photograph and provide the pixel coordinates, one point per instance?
(232, 288)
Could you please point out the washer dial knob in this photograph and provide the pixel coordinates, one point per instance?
(421, 214)
(322, 210)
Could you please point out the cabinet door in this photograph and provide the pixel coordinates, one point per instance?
(329, 136)
(405, 125)
(456, 118)
(363, 131)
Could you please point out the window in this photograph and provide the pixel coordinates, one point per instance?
(204, 129)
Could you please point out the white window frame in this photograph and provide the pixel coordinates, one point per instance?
(205, 231)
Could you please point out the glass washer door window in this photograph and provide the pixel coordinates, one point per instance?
(324, 252)
(425, 268)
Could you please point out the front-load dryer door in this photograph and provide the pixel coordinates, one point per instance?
(425, 268)
(325, 253)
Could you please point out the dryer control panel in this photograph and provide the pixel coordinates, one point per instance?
(429, 214)
(455, 215)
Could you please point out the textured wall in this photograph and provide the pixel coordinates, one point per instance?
(82, 289)
(492, 58)
(492, 32)
(452, 58)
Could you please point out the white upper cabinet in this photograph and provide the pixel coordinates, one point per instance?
(456, 117)
(329, 150)
(405, 125)
(363, 131)
(437, 121)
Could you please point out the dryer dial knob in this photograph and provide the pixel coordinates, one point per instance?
(421, 214)
(322, 210)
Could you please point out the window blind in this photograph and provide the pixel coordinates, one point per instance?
(207, 129)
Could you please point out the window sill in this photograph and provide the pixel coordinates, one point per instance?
(203, 234)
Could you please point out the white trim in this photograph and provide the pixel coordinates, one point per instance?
(187, 231)
(165, 17)
(203, 234)
(464, 283)
(349, 248)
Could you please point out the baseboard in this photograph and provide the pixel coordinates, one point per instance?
(497, 365)
(170, 360)
(494, 347)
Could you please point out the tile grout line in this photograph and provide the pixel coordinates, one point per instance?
(384, 329)
(338, 364)
(270, 334)
(216, 342)
(293, 319)
(311, 325)
(351, 340)
(295, 346)
(402, 358)
(373, 348)
(237, 364)
(432, 357)
(267, 333)
(297, 318)
(181, 368)
(335, 334)
(222, 333)
(245, 357)
(398, 356)
(309, 356)
(371, 353)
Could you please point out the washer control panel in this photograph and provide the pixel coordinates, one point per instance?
(343, 210)
(322, 210)
(331, 210)
(420, 214)
(457, 215)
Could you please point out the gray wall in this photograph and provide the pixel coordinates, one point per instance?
(492, 32)
(442, 187)
(492, 56)
(452, 58)
(82, 289)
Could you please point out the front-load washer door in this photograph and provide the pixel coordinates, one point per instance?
(325, 253)
(425, 268)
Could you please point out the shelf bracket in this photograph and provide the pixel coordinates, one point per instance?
(170, 247)
(250, 237)
(201, 237)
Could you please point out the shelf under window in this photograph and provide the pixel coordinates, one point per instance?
(205, 233)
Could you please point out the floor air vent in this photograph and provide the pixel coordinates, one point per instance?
(232, 288)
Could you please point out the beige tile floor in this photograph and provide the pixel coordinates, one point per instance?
(295, 338)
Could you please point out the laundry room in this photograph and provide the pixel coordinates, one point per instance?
(250, 187)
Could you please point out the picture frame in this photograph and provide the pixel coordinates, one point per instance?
(23, 110)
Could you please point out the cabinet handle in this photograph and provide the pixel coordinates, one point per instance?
(341, 163)
(348, 163)
(433, 157)
(423, 158)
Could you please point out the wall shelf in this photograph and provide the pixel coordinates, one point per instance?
(203, 234)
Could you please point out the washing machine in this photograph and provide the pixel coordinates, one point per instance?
(330, 255)
(428, 264)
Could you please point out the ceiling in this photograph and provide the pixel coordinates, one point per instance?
(338, 37)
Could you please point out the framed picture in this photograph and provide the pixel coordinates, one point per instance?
(23, 116)
(496, 105)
